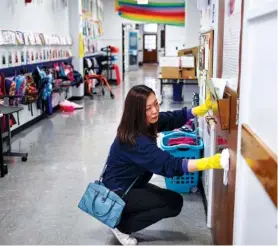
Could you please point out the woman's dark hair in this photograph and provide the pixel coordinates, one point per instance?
(134, 122)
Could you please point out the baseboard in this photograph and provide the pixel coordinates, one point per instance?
(28, 124)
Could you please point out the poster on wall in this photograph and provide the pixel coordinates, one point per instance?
(26, 38)
(46, 39)
(20, 38)
(31, 38)
(38, 40)
(42, 38)
(232, 28)
(133, 41)
(8, 37)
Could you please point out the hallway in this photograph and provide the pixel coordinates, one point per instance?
(38, 199)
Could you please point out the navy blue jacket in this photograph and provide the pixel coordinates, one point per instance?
(125, 163)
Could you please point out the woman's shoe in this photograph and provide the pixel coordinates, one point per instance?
(124, 239)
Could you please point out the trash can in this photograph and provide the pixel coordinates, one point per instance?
(177, 92)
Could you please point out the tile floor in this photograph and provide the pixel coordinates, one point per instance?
(38, 199)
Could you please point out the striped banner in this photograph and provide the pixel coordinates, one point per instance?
(156, 11)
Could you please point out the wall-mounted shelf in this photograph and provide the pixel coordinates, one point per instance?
(224, 112)
(29, 68)
(221, 108)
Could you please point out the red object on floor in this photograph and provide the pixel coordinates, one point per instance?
(181, 140)
(117, 71)
(67, 108)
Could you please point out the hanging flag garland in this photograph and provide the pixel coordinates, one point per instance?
(161, 12)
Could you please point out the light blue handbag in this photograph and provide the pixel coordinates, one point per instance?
(102, 203)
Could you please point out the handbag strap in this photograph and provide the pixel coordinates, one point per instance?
(128, 189)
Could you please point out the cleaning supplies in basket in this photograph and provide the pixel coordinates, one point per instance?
(182, 140)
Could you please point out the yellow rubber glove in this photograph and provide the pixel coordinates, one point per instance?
(212, 162)
(204, 108)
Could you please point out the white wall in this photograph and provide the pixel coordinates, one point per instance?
(255, 220)
(192, 24)
(75, 23)
(34, 17)
(174, 40)
(187, 36)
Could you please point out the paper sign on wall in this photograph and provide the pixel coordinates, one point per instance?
(8, 37)
(20, 38)
(219, 86)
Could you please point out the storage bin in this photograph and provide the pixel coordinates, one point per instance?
(187, 182)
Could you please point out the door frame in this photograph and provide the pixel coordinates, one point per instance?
(146, 34)
(224, 196)
(123, 50)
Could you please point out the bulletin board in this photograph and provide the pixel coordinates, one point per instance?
(206, 54)
(205, 60)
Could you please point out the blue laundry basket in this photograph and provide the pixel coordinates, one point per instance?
(187, 182)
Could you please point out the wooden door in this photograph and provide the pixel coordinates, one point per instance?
(150, 48)
(224, 196)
